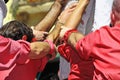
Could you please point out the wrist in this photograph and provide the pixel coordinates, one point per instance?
(60, 22)
(58, 4)
(52, 47)
(67, 33)
(63, 30)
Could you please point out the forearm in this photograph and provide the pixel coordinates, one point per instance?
(74, 38)
(48, 21)
(39, 50)
(68, 32)
(75, 18)
(53, 36)
(46, 48)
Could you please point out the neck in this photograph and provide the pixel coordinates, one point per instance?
(117, 23)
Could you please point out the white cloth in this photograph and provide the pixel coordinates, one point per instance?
(3, 12)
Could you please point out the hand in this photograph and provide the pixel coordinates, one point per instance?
(66, 13)
(39, 50)
(63, 31)
(39, 35)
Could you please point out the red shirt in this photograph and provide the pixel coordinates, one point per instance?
(79, 69)
(103, 46)
(14, 61)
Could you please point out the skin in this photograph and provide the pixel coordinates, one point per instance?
(73, 21)
(44, 47)
(40, 49)
(44, 26)
(37, 51)
(48, 21)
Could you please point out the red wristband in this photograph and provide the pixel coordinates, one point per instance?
(67, 34)
(52, 48)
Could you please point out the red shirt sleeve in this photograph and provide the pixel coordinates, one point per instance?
(87, 45)
(12, 51)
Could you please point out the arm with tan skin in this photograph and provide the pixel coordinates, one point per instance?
(72, 23)
(43, 48)
(40, 49)
(76, 16)
(54, 34)
(37, 51)
(61, 20)
(70, 19)
(49, 19)
(43, 27)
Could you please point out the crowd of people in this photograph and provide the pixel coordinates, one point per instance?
(86, 35)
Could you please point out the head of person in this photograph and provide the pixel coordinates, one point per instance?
(17, 30)
(115, 14)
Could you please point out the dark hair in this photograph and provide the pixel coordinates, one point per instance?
(15, 30)
(6, 1)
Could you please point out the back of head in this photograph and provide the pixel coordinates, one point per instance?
(116, 8)
(116, 5)
(16, 30)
